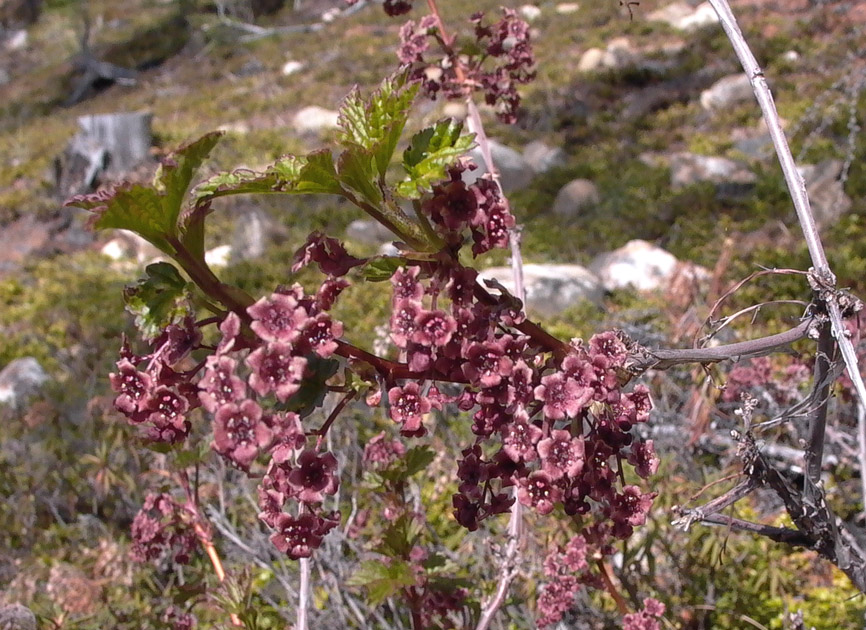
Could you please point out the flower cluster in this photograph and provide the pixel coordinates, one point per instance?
(479, 208)
(564, 569)
(646, 619)
(162, 528)
(290, 328)
(160, 396)
(505, 61)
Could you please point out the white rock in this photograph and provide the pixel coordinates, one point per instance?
(514, 171)
(219, 256)
(682, 17)
(291, 67)
(791, 56)
(21, 379)
(530, 12)
(454, 109)
(643, 266)
(704, 15)
(17, 40)
(591, 60)
(330, 15)
(565, 8)
(541, 158)
(550, 289)
(314, 119)
(727, 91)
(671, 14)
(576, 195)
(116, 249)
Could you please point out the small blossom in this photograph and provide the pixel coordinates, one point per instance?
(562, 396)
(380, 453)
(314, 477)
(433, 328)
(403, 321)
(408, 407)
(297, 537)
(538, 491)
(406, 285)
(486, 363)
(519, 440)
(328, 293)
(133, 387)
(277, 318)
(276, 370)
(240, 433)
(561, 454)
(319, 333)
(220, 385)
(644, 459)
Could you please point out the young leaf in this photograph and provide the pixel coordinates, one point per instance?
(381, 268)
(382, 580)
(313, 174)
(417, 459)
(160, 299)
(430, 152)
(152, 212)
(356, 171)
(377, 124)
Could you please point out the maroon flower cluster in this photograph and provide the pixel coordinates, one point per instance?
(162, 528)
(557, 429)
(505, 61)
(160, 396)
(290, 327)
(479, 208)
(565, 570)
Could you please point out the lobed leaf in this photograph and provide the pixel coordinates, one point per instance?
(429, 153)
(377, 124)
(383, 580)
(160, 299)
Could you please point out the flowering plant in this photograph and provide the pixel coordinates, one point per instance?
(552, 420)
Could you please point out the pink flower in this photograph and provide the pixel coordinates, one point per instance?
(314, 477)
(562, 396)
(538, 491)
(276, 370)
(408, 407)
(239, 432)
(561, 454)
(277, 318)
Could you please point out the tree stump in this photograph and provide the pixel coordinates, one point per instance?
(107, 147)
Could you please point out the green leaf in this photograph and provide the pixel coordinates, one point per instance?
(356, 171)
(417, 459)
(382, 580)
(160, 299)
(429, 153)
(381, 268)
(377, 124)
(400, 536)
(313, 388)
(153, 212)
(175, 173)
(313, 174)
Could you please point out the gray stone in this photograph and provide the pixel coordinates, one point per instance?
(643, 266)
(369, 232)
(681, 16)
(731, 178)
(4, 76)
(20, 380)
(727, 91)
(255, 231)
(826, 193)
(541, 158)
(17, 617)
(514, 172)
(550, 289)
(575, 196)
(314, 119)
(566, 8)
(16, 40)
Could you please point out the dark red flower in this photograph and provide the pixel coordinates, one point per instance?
(313, 476)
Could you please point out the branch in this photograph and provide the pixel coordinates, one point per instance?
(663, 359)
(797, 187)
